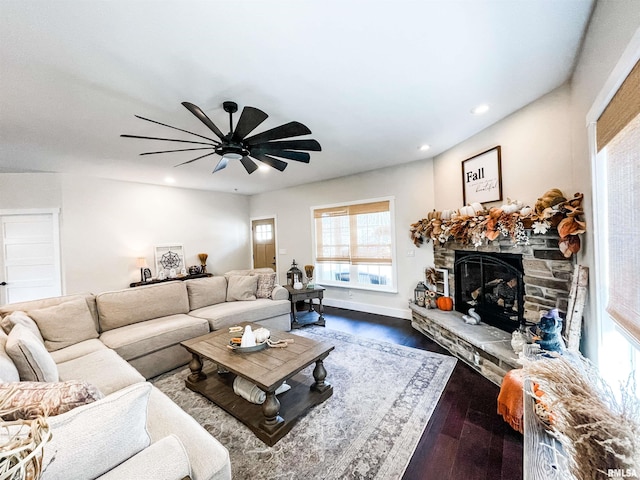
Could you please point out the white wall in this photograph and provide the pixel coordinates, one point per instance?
(30, 190)
(106, 225)
(536, 153)
(412, 186)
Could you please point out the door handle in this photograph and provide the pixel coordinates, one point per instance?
(2, 284)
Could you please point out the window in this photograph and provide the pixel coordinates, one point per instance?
(354, 245)
(264, 232)
(617, 202)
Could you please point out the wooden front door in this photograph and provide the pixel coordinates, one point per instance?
(264, 243)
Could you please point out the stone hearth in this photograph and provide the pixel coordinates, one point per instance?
(485, 348)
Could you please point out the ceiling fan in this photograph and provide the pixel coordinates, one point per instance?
(236, 145)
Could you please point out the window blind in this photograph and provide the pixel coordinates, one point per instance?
(618, 129)
(354, 234)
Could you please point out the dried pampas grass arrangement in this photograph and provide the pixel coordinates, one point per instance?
(597, 430)
(21, 444)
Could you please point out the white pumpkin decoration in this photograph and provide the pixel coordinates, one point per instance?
(509, 208)
(445, 215)
(525, 211)
(477, 207)
(467, 211)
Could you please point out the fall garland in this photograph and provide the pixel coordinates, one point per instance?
(475, 225)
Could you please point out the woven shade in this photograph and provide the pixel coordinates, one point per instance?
(623, 218)
(353, 234)
(622, 109)
(618, 129)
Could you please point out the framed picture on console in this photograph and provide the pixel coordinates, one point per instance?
(169, 260)
(482, 177)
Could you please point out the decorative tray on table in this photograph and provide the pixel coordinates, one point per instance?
(235, 346)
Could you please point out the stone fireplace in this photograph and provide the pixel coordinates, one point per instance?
(546, 273)
(543, 281)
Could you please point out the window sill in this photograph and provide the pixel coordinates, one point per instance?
(351, 286)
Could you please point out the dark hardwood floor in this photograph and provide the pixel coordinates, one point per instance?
(465, 437)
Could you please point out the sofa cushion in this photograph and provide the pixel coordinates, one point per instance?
(77, 350)
(242, 288)
(206, 291)
(8, 369)
(164, 460)
(30, 356)
(143, 338)
(266, 282)
(103, 368)
(230, 313)
(21, 318)
(26, 400)
(48, 302)
(237, 272)
(124, 307)
(65, 324)
(90, 440)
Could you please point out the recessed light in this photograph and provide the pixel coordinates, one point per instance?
(169, 180)
(480, 109)
(424, 148)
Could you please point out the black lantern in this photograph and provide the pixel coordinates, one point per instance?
(294, 274)
(419, 294)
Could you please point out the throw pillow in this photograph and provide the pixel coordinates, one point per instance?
(8, 370)
(242, 288)
(21, 318)
(266, 283)
(30, 356)
(92, 439)
(206, 291)
(65, 324)
(27, 400)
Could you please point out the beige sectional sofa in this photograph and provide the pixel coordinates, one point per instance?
(116, 340)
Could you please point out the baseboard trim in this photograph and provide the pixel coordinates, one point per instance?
(368, 308)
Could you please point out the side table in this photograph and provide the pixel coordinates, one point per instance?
(303, 295)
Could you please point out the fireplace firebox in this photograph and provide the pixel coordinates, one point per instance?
(492, 284)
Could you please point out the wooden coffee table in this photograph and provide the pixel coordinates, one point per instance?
(268, 369)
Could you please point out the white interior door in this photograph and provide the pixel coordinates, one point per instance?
(30, 258)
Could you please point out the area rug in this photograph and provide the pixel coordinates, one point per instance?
(383, 397)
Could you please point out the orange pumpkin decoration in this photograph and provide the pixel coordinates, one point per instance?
(445, 303)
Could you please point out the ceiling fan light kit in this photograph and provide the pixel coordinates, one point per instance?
(237, 145)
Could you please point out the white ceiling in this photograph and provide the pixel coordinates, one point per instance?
(373, 79)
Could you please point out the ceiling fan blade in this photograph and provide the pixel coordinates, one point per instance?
(249, 165)
(291, 129)
(176, 128)
(310, 144)
(221, 164)
(267, 160)
(288, 154)
(179, 150)
(190, 161)
(249, 119)
(166, 139)
(203, 118)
